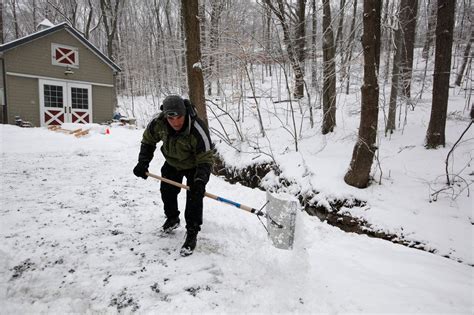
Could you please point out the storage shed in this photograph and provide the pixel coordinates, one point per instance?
(55, 76)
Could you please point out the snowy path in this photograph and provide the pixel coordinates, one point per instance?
(80, 233)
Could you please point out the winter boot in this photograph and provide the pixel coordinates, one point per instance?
(189, 244)
(170, 224)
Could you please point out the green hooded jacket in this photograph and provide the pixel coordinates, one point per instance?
(189, 148)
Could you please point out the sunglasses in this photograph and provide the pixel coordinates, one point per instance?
(173, 114)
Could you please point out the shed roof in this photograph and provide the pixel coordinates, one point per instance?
(71, 30)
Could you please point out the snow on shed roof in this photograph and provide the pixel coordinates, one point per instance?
(44, 32)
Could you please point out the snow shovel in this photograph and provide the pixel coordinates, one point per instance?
(280, 214)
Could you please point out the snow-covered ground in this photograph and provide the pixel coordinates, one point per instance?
(79, 233)
(409, 197)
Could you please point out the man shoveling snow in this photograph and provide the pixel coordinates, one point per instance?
(188, 152)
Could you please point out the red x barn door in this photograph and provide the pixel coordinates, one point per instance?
(64, 102)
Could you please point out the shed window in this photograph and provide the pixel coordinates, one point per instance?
(65, 56)
(80, 98)
(53, 96)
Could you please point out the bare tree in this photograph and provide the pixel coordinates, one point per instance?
(358, 174)
(190, 14)
(13, 6)
(110, 15)
(395, 86)
(432, 6)
(340, 26)
(435, 135)
(345, 67)
(329, 72)
(3, 113)
(378, 32)
(71, 11)
(388, 33)
(216, 11)
(466, 56)
(407, 15)
(314, 54)
(281, 14)
(87, 28)
(2, 35)
(300, 35)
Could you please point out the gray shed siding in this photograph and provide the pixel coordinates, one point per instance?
(34, 59)
(26, 100)
(103, 103)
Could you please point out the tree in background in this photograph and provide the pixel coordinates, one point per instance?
(3, 111)
(13, 6)
(314, 44)
(329, 72)
(190, 14)
(216, 10)
(395, 86)
(407, 16)
(404, 41)
(358, 174)
(435, 135)
(467, 54)
(110, 16)
(345, 66)
(242, 45)
(429, 36)
(290, 44)
(300, 41)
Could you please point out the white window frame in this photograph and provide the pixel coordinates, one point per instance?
(54, 46)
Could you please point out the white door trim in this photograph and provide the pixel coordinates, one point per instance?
(66, 113)
(56, 115)
(77, 115)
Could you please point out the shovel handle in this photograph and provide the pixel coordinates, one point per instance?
(209, 195)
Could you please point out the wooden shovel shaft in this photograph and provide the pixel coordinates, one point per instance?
(209, 195)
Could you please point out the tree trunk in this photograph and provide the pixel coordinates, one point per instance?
(377, 32)
(35, 15)
(364, 150)
(392, 108)
(182, 64)
(290, 46)
(217, 7)
(2, 35)
(268, 38)
(314, 54)
(3, 107)
(300, 43)
(329, 72)
(388, 22)
(15, 19)
(339, 35)
(430, 31)
(407, 15)
(345, 67)
(190, 13)
(87, 28)
(435, 135)
(110, 18)
(467, 51)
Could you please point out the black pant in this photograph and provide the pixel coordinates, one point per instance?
(169, 195)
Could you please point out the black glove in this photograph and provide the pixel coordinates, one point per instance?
(197, 189)
(140, 170)
(144, 158)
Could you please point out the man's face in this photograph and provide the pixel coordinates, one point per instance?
(176, 122)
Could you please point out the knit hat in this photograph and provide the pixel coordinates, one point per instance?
(173, 106)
